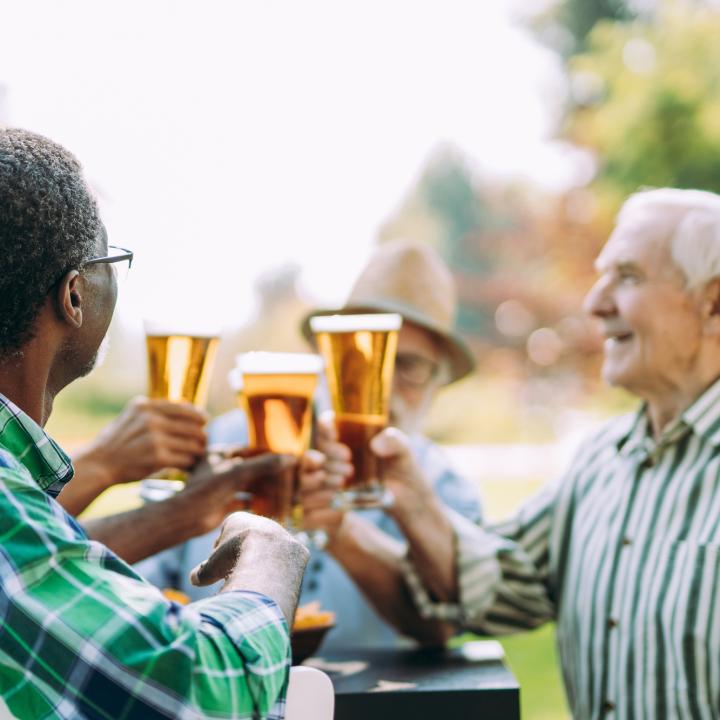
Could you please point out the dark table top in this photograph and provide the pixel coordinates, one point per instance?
(420, 684)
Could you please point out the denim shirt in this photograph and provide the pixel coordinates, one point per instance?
(357, 623)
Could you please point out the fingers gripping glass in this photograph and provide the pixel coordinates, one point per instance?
(118, 257)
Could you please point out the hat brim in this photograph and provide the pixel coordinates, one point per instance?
(460, 358)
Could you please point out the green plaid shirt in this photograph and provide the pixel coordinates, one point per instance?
(83, 636)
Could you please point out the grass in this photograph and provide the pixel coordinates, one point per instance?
(532, 657)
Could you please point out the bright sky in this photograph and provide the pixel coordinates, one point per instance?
(227, 137)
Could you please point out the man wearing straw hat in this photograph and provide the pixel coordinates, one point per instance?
(408, 278)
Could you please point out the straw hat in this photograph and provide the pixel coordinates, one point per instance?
(409, 278)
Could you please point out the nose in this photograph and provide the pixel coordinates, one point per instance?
(599, 301)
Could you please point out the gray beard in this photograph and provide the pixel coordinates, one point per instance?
(403, 419)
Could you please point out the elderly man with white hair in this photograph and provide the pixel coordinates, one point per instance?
(624, 551)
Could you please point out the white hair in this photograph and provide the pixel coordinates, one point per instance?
(692, 220)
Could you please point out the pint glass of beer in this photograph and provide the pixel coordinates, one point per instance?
(359, 353)
(180, 361)
(276, 392)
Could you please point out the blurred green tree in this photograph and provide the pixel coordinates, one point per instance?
(647, 101)
(581, 16)
(566, 25)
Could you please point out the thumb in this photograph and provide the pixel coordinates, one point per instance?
(241, 471)
(391, 444)
(326, 425)
(219, 565)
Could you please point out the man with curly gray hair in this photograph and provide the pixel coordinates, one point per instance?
(83, 635)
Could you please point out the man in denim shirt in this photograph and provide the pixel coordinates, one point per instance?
(408, 278)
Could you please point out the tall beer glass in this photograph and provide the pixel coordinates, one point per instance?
(359, 353)
(180, 364)
(276, 392)
(180, 361)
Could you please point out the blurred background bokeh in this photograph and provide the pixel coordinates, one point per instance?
(252, 153)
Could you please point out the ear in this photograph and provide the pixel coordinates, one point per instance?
(711, 307)
(69, 299)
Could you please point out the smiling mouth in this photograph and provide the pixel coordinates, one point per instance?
(618, 337)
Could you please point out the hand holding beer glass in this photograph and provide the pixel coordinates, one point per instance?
(276, 391)
(180, 362)
(359, 353)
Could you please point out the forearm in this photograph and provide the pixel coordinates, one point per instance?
(137, 534)
(502, 586)
(271, 567)
(90, 479)
(372, 559)
(432, 550)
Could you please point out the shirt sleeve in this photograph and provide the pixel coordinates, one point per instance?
(83, 634)
(503, 572)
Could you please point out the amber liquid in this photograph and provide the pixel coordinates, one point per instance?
(279, 411)
(359, 367)
(180, 367)
(357, 433)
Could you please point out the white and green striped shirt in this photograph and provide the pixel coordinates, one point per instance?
(624, 553)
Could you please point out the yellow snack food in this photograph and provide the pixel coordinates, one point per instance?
(310, 616)
(176, 596)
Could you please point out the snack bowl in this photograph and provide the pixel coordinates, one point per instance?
(306, 641)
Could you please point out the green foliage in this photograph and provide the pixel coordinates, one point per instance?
(579, 17)
(654, 119)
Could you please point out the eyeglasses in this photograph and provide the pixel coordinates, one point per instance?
(120, 258)
(415, 370)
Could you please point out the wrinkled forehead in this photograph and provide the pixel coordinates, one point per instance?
(641, 238)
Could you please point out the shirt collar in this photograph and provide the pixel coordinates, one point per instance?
(704, 414)
(33, 448)
(635, 432)
(703, 417)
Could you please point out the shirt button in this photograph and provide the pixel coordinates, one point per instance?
(312, 586)
(608, 706)
(317, 566)
(612, 623)
(626, 541)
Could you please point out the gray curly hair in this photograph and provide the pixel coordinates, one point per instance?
(49, 224)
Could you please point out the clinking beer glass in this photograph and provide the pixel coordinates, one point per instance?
(359, 353)
(276, 391)
(180, 362)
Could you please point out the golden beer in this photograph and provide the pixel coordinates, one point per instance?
(179, 367)
(276, 391)
(359, 353)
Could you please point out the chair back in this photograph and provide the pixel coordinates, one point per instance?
(310, 695)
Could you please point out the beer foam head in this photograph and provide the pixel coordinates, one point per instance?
(278, 363)
(235, 379)
(373, 322)
(162, 328)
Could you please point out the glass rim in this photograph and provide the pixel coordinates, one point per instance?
(257, 362)
(166, 328)
(372, 322)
